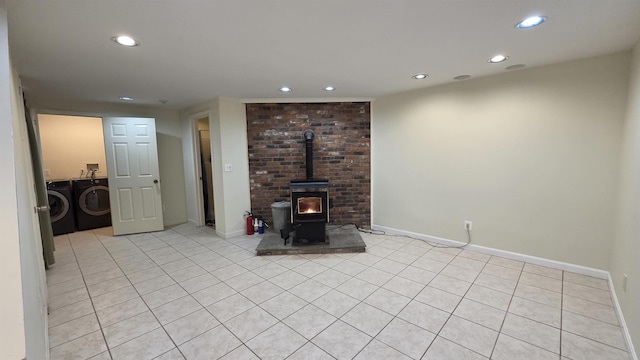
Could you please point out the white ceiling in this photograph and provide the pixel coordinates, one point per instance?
(194, 50)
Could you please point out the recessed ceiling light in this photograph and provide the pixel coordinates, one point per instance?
(498, 59)
(462, 77)
(514, 67)
(531, 21)
(285, 89)
(420, 76)
(125, 40)
(126, 98)
(329, 88)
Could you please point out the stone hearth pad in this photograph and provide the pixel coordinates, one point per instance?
(341, 239)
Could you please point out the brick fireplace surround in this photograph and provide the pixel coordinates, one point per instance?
(341, 154)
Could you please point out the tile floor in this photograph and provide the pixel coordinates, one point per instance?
(186, 294)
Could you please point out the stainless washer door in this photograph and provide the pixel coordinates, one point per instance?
(58, 205)
(95, 201)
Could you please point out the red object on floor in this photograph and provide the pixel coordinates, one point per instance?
(249, 224)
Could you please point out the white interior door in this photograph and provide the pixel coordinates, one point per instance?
(134, 177)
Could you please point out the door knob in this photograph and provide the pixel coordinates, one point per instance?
(155, 181)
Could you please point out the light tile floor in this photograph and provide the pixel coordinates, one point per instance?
(185, 293)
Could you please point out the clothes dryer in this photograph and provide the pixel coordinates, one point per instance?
(91, 201)
(61, 207)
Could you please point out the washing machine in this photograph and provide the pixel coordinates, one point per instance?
(61, 207)
(91, 201)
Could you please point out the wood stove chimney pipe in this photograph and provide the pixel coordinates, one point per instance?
(308, 139)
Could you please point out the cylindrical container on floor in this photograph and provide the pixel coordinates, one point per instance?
(281, 212)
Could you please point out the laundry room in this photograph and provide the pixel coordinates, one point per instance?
(71, 146)
(75, 169)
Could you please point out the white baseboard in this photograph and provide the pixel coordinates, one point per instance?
(623, 324)
(583, 270)
(230, 234)
(601, 274)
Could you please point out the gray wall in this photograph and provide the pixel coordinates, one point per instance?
(531, 157)
(626, 245)
(12, 336)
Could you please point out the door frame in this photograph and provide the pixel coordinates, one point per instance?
(37, 112)
(196, 169)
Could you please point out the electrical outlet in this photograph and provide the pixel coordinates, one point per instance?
(228, 167)
(624, 282)
(468, 225)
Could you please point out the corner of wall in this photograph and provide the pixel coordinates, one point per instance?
(227, 122)
(232, 124)
(626, 244)
(12, 331)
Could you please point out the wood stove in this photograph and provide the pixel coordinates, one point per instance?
(309, 210)
(309, 202)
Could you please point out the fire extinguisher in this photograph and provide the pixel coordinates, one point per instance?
(249, 223)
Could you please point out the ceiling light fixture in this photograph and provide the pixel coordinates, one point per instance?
(498, 59)
(420, 76)
(462, 77)
(329, 88)
(285, 89)
(125, 40)
(126, 98)
(531, 21)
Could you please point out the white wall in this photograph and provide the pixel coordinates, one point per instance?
(23, 318)
(169, 147)
(12, 336)
(69, 143)
(230, 189)
(34, 282)
(234, 150)
(625, 257)
(531, 157)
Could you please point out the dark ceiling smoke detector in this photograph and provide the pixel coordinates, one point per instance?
(515, 67)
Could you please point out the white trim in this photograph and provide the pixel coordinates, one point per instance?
(231, 234)
(305, 100)
(623, 324)
(583, 270)
(39, 111)
(196, 165)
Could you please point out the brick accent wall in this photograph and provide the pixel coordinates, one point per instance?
(341, 154)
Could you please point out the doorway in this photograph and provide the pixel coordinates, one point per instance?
(74, 151)
(206, 170)
(75, 169)
(72, 147)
